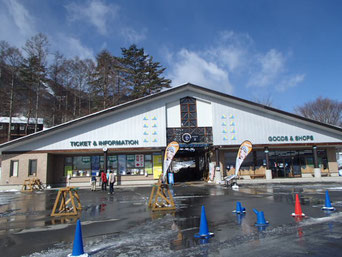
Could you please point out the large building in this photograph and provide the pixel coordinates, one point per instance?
(208, 125)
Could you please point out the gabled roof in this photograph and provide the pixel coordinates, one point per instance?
(174, 90)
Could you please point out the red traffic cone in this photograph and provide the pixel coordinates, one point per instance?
(298, 208)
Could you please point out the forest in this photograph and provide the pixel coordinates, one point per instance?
(36, 83)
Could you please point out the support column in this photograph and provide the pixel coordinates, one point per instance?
(105, 151)
(163, 156)
(317, 170)
(217, 169)
(332, 161)
(268, 170)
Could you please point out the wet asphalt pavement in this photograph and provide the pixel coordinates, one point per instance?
(123, 225)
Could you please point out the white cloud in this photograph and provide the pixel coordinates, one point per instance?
(232, 57)
(232, 50)
(213, 66)
(95, 12)
(289, 82)
(17, 24)
(191, 67)
(71, 47)
(21, 17)
(132, 36)
(268, 68)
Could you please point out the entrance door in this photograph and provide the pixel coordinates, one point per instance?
(287, 166)
(188, 166)
(283, 164)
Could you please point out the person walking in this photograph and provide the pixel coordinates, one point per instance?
(111, 182)
(104, 181)
(93, 183)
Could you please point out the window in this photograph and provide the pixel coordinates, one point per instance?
(131, 164)
(113, 163)
(322, 159)
(32, 167)
(81, 166)
(12, 127)
(22, 127)
(68, 166)
(14, 168)
(148, 164)
(254, 162)
(1, 126)
(188, 112)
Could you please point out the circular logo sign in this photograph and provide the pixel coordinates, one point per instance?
(186, 137)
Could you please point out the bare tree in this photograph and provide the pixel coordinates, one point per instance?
(67, 80)
(90, 69)
(267, 100)
(81, 69)
(322, 109)
(13, 60)
(56, 70)
(4, 46)
(37, 48)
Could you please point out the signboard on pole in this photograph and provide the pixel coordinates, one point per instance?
(245, 148)
(170, 152)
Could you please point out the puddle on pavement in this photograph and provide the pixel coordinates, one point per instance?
(172, 233)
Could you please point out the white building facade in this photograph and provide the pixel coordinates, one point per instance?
(132, 137)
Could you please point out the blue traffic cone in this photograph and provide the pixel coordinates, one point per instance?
(77, 249)
(239, 209)
(327, 206)
(204, 231)
(203, 241)
(260, 218)
(239, 218)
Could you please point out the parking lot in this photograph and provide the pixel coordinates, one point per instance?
(123, 225)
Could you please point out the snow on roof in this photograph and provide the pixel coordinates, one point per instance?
(22, 120)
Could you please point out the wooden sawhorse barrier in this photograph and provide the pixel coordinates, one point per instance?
(33, 184)
(161, 198)
(67, 204)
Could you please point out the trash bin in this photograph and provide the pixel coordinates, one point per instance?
(171, 180)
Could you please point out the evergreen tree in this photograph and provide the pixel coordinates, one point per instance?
(71, 88)
(104, 79)
(141, 74)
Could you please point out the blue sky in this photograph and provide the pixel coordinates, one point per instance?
(289, 51)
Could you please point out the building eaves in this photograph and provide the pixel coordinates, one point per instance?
(164, 93)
